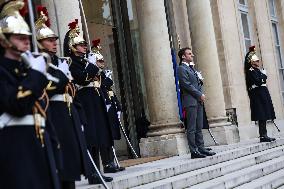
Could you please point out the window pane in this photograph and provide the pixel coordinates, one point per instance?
(279, 58)
(275, 33)
(271, 7)
(248, 44)
(243, 2)
(245, 25)
(277, 44)
(282, 79)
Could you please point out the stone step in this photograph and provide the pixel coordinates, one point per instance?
(243, 176)
(170, 167)
(214, 171)
(222, 148)
(273, 180)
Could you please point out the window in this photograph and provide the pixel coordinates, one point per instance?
(278, 49)
(242, 2)
(272, 8)
(245, 24)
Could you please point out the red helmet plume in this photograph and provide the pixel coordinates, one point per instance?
(96, 42)
(73, 25)
(42, 9)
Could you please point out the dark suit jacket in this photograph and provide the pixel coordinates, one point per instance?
(190, 87)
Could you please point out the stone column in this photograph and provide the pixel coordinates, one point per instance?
(206, 58)
(181, 22)
(231, 53)
(160, 85)
(61, 13)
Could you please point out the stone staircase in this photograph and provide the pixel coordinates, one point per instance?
(244, 165)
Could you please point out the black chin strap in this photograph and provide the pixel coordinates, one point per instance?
(15, 48)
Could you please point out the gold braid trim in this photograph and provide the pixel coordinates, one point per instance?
(97, 84)
(69, 88)
(39, 131)
(45, 98)
(37, 109)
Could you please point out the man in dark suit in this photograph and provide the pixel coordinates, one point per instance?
(192, 101)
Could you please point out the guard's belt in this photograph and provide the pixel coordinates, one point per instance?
(255, 86)
(81, 86)
(95, 84)
(62, 98)
(7, 120)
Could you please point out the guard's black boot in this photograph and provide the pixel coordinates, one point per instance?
(107, 179)
(208, 149)
(110, 168)
(95, 179)
(120, 168)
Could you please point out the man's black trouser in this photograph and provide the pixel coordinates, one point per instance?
(194, 118)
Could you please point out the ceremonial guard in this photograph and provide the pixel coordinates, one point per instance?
(260, 100)
(84, 71)
(113, 106)
(63, 113)
(26, 158)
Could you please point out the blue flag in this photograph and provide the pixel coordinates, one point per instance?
(175, 67)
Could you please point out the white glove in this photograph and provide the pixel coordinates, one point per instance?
(108, 74)
(263, 71)
(118, 114)
(37, 63)
(64, 67)
(92, 58)
(108, 107)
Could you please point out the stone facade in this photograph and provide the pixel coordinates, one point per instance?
(214, 30)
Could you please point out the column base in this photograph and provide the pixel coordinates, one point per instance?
(222, 134)
(250, 130)
(164, 129)
(165, 145)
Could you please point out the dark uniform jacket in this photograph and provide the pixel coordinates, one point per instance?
(26, 160)
(68, 126)
(113, 102)
(260, 100)
(97, 130)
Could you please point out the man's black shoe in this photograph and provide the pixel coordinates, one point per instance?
(110, 168)
(266, 139)
(107, 179)
(207, 153)
(197, 155)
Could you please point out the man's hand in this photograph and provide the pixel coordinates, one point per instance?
(202, 98)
